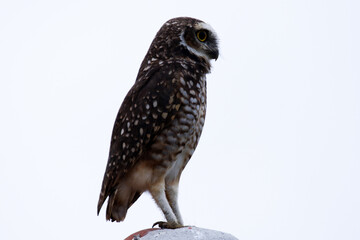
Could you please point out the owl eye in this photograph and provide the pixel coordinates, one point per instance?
(201, 35)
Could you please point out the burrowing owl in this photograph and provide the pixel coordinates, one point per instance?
(160, 121)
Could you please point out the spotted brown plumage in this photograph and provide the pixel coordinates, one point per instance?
(160, 121)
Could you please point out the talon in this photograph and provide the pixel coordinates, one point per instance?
(168, 225)
(160, 223)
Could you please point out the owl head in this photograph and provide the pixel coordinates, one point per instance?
(184, 38)
(200, 39)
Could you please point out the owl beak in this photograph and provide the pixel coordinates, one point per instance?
(213, 54)
(217, 55)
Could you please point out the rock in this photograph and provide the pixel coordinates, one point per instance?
(180, 234)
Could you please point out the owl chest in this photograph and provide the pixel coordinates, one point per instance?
(180, 138)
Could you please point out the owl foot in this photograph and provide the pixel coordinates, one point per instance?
(168, 225)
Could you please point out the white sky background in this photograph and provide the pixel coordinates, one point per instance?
(279, 157)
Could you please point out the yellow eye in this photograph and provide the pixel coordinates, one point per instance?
(201, 35)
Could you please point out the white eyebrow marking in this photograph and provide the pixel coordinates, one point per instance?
(200, 25)
(192, 50)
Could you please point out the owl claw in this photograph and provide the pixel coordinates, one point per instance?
(167, 225)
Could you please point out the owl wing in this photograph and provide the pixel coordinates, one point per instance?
(148, 107)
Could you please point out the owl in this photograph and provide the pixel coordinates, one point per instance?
(160, 121)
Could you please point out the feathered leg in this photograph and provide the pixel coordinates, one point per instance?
(171, 191)
(158, 193)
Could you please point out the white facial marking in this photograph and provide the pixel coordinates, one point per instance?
(193, 50)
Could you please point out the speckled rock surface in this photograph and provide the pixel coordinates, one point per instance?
(184, 233)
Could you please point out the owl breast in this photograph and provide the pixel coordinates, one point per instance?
(175, 145)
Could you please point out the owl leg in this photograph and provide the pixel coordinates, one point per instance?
(171, 191)
(158, 193)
